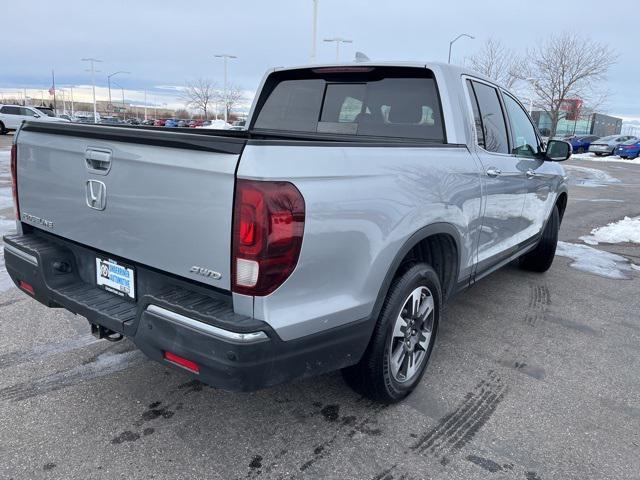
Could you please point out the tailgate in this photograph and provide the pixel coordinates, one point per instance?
(162, 199)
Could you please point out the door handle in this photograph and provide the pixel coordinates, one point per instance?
(98, 161)
(494, 172)
(532, 174)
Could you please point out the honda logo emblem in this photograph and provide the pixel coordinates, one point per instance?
(96, 195)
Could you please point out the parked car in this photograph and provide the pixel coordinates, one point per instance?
(133, 121)
(149, 122)
(581, 143)
(216, 124)
(195, 123)
(171, 123)
(608, 145)
(326, 236)
(183, 123)
(112, 121)
(159, 122)
(629, 149)
(48, 111)
(11, 116)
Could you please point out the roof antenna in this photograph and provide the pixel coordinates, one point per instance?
(361, 57)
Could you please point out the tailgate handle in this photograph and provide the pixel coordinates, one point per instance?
(98, 161)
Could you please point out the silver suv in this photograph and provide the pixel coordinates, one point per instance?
(327, 235)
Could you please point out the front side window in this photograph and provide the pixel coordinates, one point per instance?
(493, 122)
(525, 140)
(26, 112)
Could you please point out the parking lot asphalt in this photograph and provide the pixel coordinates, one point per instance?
(533, 377)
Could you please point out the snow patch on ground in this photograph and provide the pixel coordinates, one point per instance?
(591, 157)
(622, 231)
(589, 177)
(598, 262)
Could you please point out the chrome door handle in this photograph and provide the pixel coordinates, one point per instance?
(494, 172)
(531, 174)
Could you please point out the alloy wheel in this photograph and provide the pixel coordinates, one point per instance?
(411, 335)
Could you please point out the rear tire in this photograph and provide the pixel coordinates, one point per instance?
(402, 340)
(540, 258)
(3, 131)
(580, 150)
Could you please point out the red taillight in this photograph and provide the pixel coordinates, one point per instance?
(14, 178)
(268, 226)
(181, 361)
(27, 287)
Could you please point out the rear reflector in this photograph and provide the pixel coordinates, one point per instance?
(27, 287)
(183, 362)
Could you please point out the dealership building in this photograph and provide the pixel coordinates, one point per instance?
(593, 124)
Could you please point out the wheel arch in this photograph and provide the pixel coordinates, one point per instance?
(447, 272)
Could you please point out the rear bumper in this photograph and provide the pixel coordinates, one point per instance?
(232, 351)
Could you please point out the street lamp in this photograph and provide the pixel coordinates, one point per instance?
(338, 41)
(226, 57)
(93, 84)
(109, 82)
(124, 109)
(456, 39)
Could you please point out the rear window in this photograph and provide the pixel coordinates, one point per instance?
(631, 142)
(400, 103)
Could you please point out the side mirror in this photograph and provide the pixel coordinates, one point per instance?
(558, 151)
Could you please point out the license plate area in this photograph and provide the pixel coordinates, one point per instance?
(116, 277)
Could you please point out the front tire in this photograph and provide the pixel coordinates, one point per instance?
(403, 338)
(3, 131)
(540, 258)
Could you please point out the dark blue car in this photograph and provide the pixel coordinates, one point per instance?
(580, 143)
(629, 149)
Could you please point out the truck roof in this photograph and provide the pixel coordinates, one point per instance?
(455, 70)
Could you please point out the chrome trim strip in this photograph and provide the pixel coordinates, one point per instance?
(23, 255)
(201, 327)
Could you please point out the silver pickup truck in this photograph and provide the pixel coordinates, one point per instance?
(326, 236)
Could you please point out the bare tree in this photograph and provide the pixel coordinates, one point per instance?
(234, 96)
(567, 67)
(199, 95)
(497, 62)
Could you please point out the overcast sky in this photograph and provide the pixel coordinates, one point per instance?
(170, 42)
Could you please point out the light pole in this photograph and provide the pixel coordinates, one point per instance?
(314, 31)
(145, 104)
(226, 57)
(109, 83)
(338, 41)
(93, 85)
(124, 109)
(534, 82)
(456, 39)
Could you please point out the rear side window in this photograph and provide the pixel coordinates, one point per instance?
(494, 127)
(367, 104)
(11, 110)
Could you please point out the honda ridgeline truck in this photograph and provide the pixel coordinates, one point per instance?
(328, 235)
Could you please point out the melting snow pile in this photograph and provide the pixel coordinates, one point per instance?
(589, 177)
(612, 158)
(625, 230)
(592, 260)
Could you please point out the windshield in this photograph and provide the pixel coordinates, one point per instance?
(47, 111)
